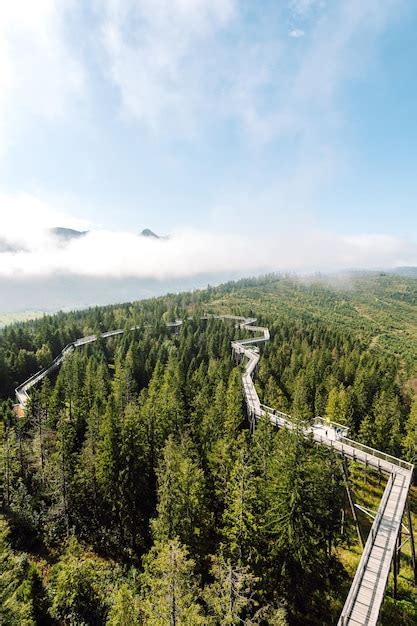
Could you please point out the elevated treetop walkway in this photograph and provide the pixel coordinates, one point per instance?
(367, 591)
(366, 594)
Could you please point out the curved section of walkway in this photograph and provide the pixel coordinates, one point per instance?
(363, 604)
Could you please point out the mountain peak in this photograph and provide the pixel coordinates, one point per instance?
(149, 233)
(67, 234)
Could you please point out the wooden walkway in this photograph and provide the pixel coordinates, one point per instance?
(364, 601)
(363, 604)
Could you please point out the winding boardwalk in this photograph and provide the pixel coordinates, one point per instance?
(363, 604)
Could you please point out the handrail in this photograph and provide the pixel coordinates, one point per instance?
(379, 454)
(324, 421)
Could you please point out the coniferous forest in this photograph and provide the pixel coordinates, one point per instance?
(133, 490)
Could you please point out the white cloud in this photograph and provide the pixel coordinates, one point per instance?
(39, 72)
(309, 96)
(303, 7)
(181, 66)
(187, 253)
(296, 33)
(24, 220)
(154, 51)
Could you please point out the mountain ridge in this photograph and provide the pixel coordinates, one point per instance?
(67, 234)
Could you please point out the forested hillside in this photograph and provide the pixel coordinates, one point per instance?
(133, 491)
(10, 318)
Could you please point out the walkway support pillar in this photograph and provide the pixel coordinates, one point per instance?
(352, 505)
(399, 551)
(413, 546)
(395, 570)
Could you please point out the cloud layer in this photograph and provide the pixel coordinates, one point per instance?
(179, 66)
(186, 253)
(40, 73)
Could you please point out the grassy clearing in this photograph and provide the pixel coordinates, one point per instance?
(379, 310)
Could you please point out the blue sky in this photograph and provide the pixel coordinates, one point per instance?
(278, 120)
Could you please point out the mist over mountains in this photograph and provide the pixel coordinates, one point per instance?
(67, 292)
(50, 291)
(410, 272)
(67, 234)
(76, 264)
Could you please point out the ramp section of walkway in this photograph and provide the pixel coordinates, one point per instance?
(368, 588)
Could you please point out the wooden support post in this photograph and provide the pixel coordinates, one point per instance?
(398, 551)
(413, 547)
(395, 570)
(352, 505)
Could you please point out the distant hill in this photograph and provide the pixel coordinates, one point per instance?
(24, 316)
(67, 234)
(149, 233)
(410, 271)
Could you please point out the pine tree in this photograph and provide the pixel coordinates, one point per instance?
(264, 444)
(77, 587)
(410, 439)
(213, 419)
(59, 476)
(123, 383)
(172, 411)
(301, 409)
(231, 595)
(367, 432)
(39, 408)
(299, 520)
(386, 411)
(133, 479)
(169, 587)
(234, 403)
(332, 406)
(157, 429)
(125, 607)
(108, 455)
(10, 465)
(181, 509)
(239, 517)
(338, 407)
(17, 578)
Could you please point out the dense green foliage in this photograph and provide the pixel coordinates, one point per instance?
(134, 491)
